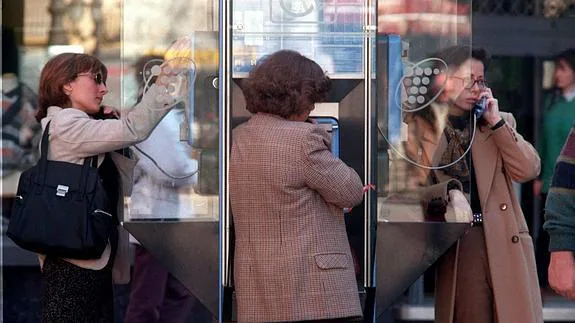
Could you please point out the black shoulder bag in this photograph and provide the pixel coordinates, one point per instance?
(62, 209)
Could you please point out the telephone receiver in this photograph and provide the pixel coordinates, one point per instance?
(479, 107)
(103, 116)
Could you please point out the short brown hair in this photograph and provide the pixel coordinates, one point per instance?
(286, 84)
(59, 71)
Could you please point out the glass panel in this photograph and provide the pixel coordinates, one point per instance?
(117, 32)
(329, 32)
(173, 210)
(421, 75)
(184, 146)
(333, 34)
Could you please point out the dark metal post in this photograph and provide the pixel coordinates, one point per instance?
(537, 115)
(97, 16)
(57, 35)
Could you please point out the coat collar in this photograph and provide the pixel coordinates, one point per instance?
(53, 110)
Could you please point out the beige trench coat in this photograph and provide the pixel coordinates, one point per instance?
(499, 157)
(74, 136)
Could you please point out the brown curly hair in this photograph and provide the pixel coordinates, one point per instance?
(286, 84)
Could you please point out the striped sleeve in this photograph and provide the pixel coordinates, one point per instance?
(560, 204)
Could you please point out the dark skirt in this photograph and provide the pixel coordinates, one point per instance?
(74, 294)
(77, 295)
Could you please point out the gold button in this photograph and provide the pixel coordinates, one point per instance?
(515, 239)
(503, 207)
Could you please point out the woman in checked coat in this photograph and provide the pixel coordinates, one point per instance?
(292, 258)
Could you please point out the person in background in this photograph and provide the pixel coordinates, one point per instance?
(558, 115)
(20, 130)
(292, 259)
(489, 275)
(72, 89)
(560, 221)
(156, 295)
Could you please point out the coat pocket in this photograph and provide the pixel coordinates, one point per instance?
(332, 260)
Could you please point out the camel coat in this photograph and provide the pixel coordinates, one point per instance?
(499, 157)
(292, 259)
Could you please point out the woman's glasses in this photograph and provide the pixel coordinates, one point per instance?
(98, 78)
(469, 83)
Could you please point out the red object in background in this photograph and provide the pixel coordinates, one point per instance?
(429, 17)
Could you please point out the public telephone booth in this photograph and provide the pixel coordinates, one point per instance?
(408, 86)
(376, 81)
(333, 33)
(186, 236)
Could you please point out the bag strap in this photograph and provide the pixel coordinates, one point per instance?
(43, 164)
(88, 161)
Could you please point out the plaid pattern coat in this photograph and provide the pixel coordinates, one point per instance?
(292, 258)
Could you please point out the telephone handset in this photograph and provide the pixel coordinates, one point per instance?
(479, 108)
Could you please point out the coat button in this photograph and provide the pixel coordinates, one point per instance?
(515, 239)
(503, 207)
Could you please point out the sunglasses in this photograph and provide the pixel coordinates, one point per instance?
(98, 78)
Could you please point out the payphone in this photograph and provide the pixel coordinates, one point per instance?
(337, 41)
(407, 244)
(186, 238)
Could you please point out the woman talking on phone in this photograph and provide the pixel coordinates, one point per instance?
(489, 275)
(292, 259)
(72, 88)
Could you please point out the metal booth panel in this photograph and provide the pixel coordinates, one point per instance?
(408, 244)
(174, 209)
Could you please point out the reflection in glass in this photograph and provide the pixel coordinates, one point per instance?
(329, 32)
(414, 114)
(192, 127)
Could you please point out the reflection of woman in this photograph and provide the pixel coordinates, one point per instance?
(426, 121)
(72, 87)
(292, 258)
(558, 117)
(489, 275)
(156, 295)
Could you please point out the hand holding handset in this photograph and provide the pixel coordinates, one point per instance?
(106, 113)
(479, 108)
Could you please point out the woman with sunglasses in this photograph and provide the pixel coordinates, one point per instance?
(72, 88)
(489, 275)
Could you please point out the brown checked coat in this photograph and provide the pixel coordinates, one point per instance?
(292, 259)
(499, 157)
